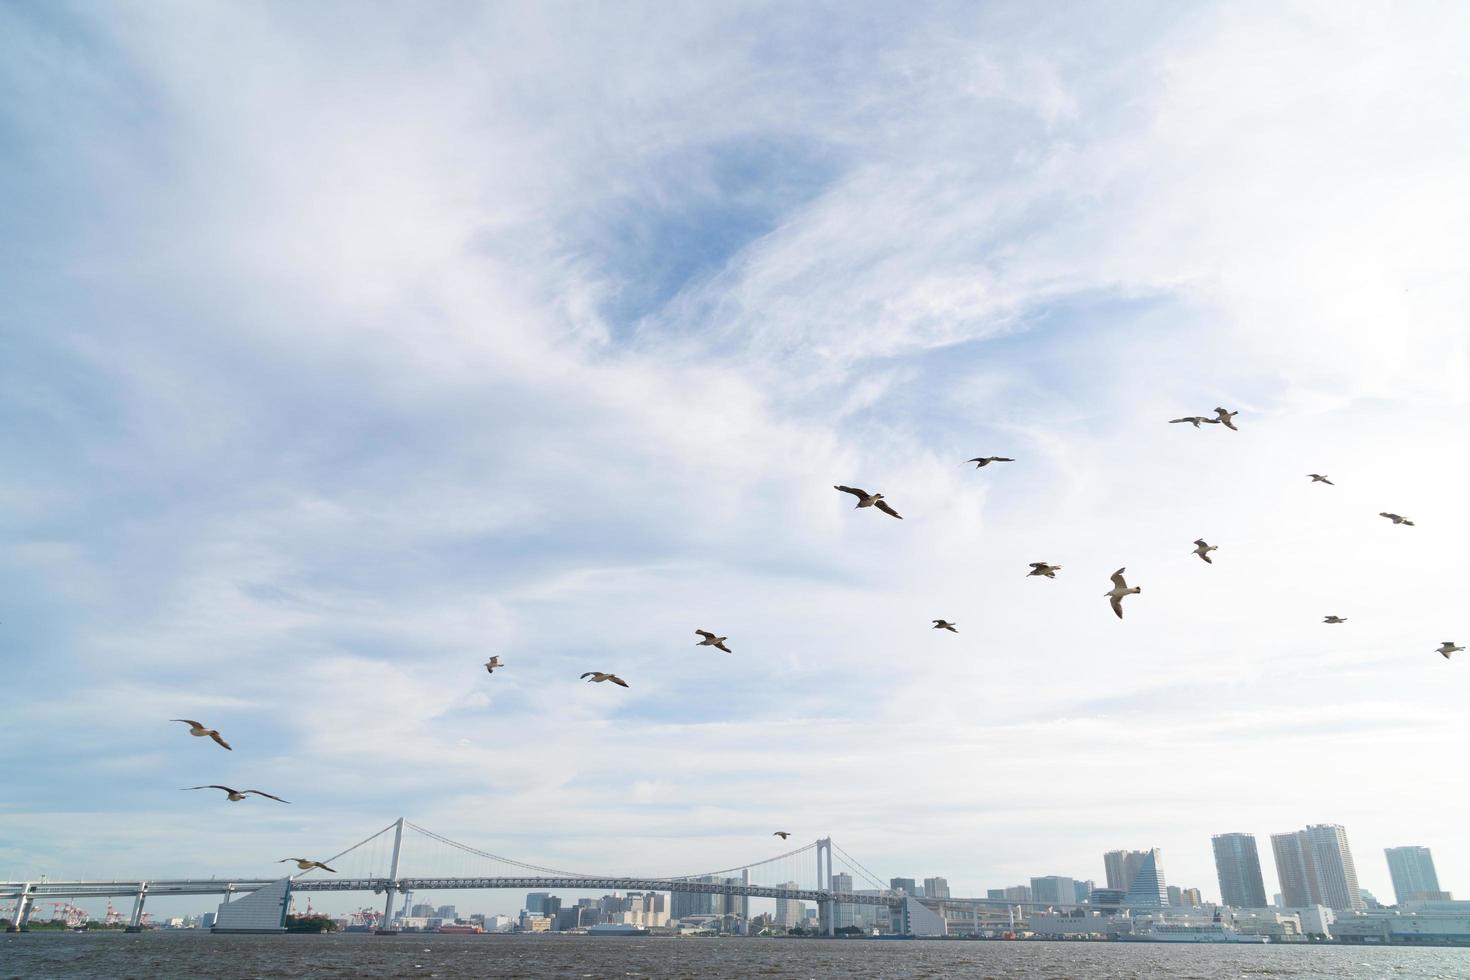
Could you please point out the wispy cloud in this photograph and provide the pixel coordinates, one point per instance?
(343, 348)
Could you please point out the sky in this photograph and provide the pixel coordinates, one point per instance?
(346, 344)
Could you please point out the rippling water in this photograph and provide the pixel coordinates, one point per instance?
(150, 956)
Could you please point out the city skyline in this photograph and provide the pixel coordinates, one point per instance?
(336, 361)
(1310, 847)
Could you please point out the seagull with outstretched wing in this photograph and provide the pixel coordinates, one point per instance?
(710, 640)
(866, 499)
(236, 795)
(1119, 590)
(199, 731)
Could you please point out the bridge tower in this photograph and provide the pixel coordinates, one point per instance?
(135, 922)
(387, 926)
(22, 914)
(826, 919)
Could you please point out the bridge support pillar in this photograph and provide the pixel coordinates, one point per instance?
(22, 912)
(825, 925)
(385, 928)
(135, 922)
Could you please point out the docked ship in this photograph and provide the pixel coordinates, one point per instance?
(616, 929)
(1179, 932)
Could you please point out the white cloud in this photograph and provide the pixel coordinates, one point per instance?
(343, 405)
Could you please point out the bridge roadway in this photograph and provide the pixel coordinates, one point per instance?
(157, 888)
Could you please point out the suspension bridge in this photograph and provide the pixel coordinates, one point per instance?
(377, 864)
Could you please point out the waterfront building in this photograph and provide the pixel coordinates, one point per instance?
(1082, 890)
(1107, 897)
(906, 885)
(1414, 878)
(1054, 890)
(1192, 898)
(1176, 897)
(936, 888)
(534, 923)
(1122, 867)
(1238, 868)
(1148, 890)
(1315, 867)
(996, 894)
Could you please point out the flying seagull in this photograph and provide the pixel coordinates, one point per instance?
(306, 865)
(983, 461)
(783, 834)
(941, 624)
(200, 731)
(1335, 619)
(598, 677)
(710, 640)
(1446, 648)
(236, 795)
(1119, 590)
(866, 499)
(1395, 518)
(1203, 550)
(1042, 568)
(1320, 478)
(1223, 417)
(492, 663)
(1195, 420)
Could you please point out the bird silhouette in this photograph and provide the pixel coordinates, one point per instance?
(236, 795)
(866, 499)
(710, 640)
(1119, 590)
(199, 731)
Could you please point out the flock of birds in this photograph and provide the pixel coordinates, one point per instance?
(1115, 596)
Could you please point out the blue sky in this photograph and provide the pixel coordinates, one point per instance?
(345, 345)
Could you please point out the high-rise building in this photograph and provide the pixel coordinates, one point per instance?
(423, 910)
(906, 885)
(1191, 898)
(995, 894)
(1337, 875)
(843, 915)
(1238, 866)
(1054, 890)
(682, 904)
(1412, 870)
(1294, 870)
(1083, 890)
(1315, 867)
(936, 888)
(1122, 867)
(535, 904)
(447, 912)
(1176, 897)
(1019, 894)
(788, 910)
(1148, 890)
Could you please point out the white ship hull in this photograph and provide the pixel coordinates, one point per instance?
(1190, 934)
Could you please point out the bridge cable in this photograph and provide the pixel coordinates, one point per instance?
(569, 874)
(861, 870)
(350, 849)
